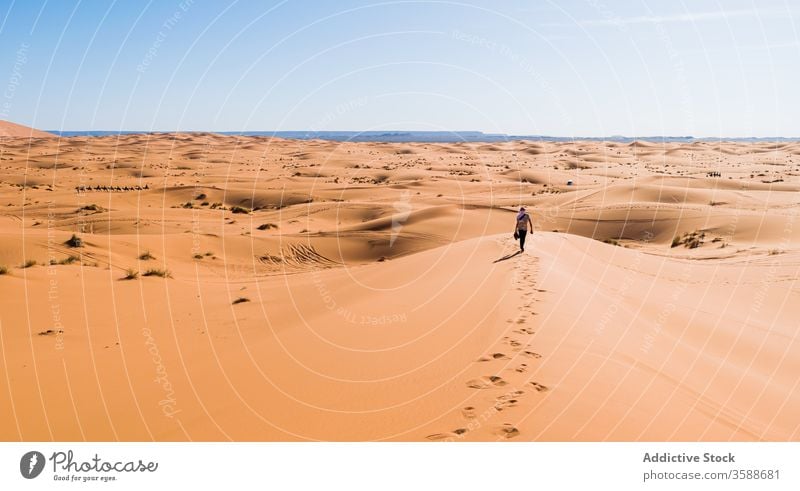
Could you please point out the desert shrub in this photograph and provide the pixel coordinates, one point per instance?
(690, 240)
(3, 270)
(74, 241)
(267, 226)
(146, 256)
(693, 243)
(50, 332)
(241, 300)
(239, 209)
(200, 196)
(161, 273)
(198, 256)
(29, 263)
(69, 260)
(130, 274)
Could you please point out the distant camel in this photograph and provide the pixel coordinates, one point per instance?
(82, 189)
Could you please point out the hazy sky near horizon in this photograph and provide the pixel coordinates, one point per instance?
(566, 68)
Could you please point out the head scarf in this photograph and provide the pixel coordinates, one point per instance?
(521, 213)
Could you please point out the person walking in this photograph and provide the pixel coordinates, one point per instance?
(522, 226)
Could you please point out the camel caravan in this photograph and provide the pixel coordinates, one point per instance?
(111, 189)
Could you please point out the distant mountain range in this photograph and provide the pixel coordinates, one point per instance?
(437, 136)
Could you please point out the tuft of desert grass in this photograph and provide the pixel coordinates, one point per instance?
(161, 273)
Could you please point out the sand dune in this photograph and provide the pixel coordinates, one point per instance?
(13, 130)
(251, 288)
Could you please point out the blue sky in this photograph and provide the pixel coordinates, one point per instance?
(566, 68)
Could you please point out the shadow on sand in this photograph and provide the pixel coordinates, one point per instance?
(506, 258)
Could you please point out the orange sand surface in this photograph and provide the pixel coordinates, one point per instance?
(314, 290)
(9, 129)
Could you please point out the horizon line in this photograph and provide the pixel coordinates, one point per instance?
(402, 132)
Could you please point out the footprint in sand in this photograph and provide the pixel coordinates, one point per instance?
(524, 330)
(531, 354)
(486, 382)
(507, 431)
(500, 405)
(522, 368)
(539, 387)
(437, 437)
(508, 400)
(493, 356)
(468, 412)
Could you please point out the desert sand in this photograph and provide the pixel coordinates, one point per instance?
(247, 288)
(9, 129)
